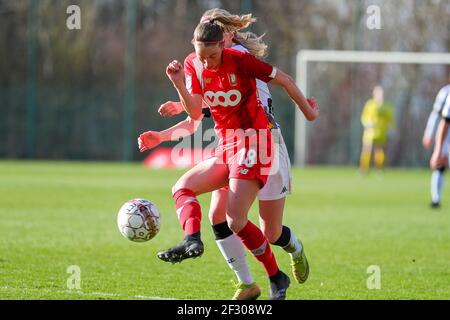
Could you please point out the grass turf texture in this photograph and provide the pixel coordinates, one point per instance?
(57, 214)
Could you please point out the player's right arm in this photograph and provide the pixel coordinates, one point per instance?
(151, 139)
(192, 103)
(428, 135)
(438, 158)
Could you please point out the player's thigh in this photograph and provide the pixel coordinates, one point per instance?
(367, 147)
(379, 147)
(446, 150)
(207, 176)
(241, 195)
(218, 206)
(271, 218)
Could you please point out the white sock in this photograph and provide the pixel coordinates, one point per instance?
(294, 246)
(235, 254)
(437, 184)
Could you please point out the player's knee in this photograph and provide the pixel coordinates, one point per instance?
(236, 225)
(182, 184)
(215, 216)
(177, 187)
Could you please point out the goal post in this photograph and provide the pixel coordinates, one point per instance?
(336, 56)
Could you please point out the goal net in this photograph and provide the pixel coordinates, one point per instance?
(342, 81)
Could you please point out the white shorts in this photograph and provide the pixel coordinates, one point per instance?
(279, 183)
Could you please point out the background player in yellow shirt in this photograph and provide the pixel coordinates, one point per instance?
(377, 118)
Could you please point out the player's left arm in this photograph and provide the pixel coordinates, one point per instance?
(309, 107)
(437, 159)
(258, 69)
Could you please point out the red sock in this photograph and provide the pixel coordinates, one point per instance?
(188, 211)
(255, 241)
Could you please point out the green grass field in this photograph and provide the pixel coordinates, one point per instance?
(57, 214)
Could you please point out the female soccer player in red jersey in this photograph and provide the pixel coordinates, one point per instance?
(271, 196)
(229, 88)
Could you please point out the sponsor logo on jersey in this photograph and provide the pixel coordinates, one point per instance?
(223, 99)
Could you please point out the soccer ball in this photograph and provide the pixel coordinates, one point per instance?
(139, 220)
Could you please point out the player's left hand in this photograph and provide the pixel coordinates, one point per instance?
(170, 108)
(437, 161)
(314, 106)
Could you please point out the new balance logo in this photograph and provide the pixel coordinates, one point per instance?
(244, 171)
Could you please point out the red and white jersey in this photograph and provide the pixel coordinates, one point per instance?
(263, 89)
(230, 91)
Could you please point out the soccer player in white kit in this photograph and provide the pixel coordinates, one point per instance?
(438, 122)
(271, 197)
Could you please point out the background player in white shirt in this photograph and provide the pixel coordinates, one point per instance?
(439, 162)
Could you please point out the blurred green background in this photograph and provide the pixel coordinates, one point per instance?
(86, 94)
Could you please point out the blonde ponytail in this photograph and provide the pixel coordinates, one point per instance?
(254, 44)
(233, 23)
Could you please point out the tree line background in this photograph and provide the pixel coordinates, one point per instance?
(87, 94)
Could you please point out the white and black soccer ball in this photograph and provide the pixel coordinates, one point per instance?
(139, 220)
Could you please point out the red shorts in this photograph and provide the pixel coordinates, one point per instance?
(248, 155)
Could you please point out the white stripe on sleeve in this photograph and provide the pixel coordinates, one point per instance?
(446, 109)
(274, 73)
(432, 122)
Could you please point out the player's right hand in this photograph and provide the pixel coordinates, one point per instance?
(170, 109)
(437, 160)
(175, 72)
(148, 140)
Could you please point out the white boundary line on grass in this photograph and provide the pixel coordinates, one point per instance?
(104, 294)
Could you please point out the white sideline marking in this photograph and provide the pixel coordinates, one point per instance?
(104, 294)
